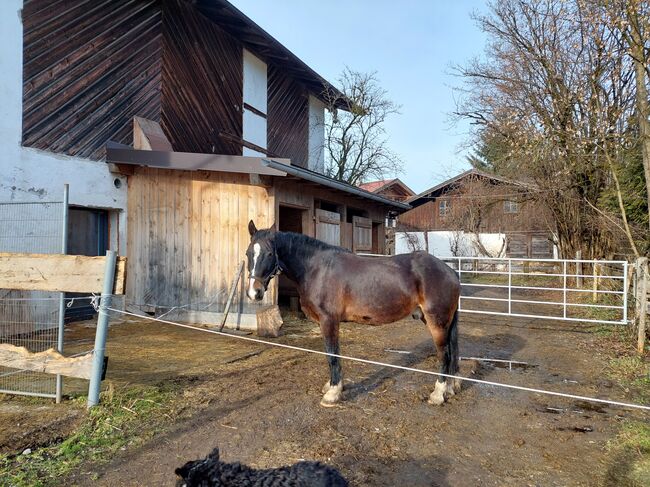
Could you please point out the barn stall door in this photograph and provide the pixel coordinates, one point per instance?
(328, 226)
(361, 234)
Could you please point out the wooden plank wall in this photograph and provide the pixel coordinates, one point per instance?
(287, 117)
(187, 235)
(88, 68)
(202, 83)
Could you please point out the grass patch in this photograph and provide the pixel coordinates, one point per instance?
(124, 418)
(631, 447)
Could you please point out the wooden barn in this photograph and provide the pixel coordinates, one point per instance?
(477, 202)
(229, 126)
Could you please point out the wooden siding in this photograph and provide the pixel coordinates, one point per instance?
(202, 83)
(287, 118)
(88, 68)
(188, 233)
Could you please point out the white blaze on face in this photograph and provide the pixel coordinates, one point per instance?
(256, 253)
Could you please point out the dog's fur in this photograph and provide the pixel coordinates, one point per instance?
(211, 472)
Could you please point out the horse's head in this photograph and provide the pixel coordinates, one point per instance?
(263, 263)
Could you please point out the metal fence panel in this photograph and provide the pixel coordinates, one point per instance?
(31, 319)
(592, 291)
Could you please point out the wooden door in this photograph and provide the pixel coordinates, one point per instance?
(328, 226)
(361, 234)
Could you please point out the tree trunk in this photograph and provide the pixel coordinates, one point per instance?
(643, 108)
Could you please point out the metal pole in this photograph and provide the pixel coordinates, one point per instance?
(102, 329)
(643, 299)
(509, 286)
(460, 279)
(564, 287)
(64, 250)
(625, 291)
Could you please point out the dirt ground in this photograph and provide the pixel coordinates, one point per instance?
(260, 405)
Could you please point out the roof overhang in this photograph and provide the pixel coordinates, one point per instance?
(190, 161)
(321, 179)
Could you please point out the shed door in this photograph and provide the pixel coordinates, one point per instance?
(328, 227)
(361, 234)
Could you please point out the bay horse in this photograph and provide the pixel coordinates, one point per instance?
(337, 285)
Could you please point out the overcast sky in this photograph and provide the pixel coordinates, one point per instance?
(411, 45)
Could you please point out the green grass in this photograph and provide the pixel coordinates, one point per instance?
(124, 418)
(632, 444)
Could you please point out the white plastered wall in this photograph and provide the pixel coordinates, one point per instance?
(255, 95)
(316, 160)
(35, 175)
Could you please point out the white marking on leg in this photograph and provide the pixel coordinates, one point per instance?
(437, 397)
(256, 253)
(333, 395)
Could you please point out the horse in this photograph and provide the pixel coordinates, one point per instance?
(336, 285)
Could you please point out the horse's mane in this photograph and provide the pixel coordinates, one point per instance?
(301, 244)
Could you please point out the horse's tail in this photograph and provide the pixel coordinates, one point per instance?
(451, 344)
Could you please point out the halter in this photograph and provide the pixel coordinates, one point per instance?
(277, 270)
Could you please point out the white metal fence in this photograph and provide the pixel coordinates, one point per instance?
(574, 290)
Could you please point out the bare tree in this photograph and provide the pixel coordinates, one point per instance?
(356, 144)
(555, 95)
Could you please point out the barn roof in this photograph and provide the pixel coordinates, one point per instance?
(264, 45)
(440, 188)
(377, 186)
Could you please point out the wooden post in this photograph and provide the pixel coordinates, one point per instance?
(578, 269)
(642, 301)
(233, 288)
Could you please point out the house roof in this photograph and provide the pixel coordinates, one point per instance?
(471, 172)
(264, 45)
(377, 186)
(122, 154)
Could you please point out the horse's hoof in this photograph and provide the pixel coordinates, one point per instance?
(457, 385)
(328, 404)
(437, 397)
(326, 387)
(332, 396)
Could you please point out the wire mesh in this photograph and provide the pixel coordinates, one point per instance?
(30, 319)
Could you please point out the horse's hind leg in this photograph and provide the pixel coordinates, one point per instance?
(445, 336)
(334, 388)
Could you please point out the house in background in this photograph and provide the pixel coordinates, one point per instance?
(229, 128)
(478, 203)
(394, 189)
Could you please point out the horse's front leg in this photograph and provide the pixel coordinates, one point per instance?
(334, 388)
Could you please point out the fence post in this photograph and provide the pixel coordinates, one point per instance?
(642, 300)
(509, 286)
(578, 269)
(594, 296)
(64, 250)
(564, 283)
(102, 329)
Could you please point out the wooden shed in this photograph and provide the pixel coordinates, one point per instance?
(188, 232)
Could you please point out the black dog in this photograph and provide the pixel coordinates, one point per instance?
(212, 472)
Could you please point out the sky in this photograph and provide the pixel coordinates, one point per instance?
(412, 45)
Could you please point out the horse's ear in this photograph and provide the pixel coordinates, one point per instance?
(252, 229)
(272, 228)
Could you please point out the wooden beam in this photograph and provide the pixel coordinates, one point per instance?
(49, 361)
(57, 272)
(149, 135)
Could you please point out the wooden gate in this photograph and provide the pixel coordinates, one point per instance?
(328, 226)
(361, 234)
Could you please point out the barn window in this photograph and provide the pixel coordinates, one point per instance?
(510, 207)
(444, 207)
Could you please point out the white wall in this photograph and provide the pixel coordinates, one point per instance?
(255, 95)
(316, 160)
(34, 175)
(440, 243)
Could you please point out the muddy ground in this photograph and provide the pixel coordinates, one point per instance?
(260, 405)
